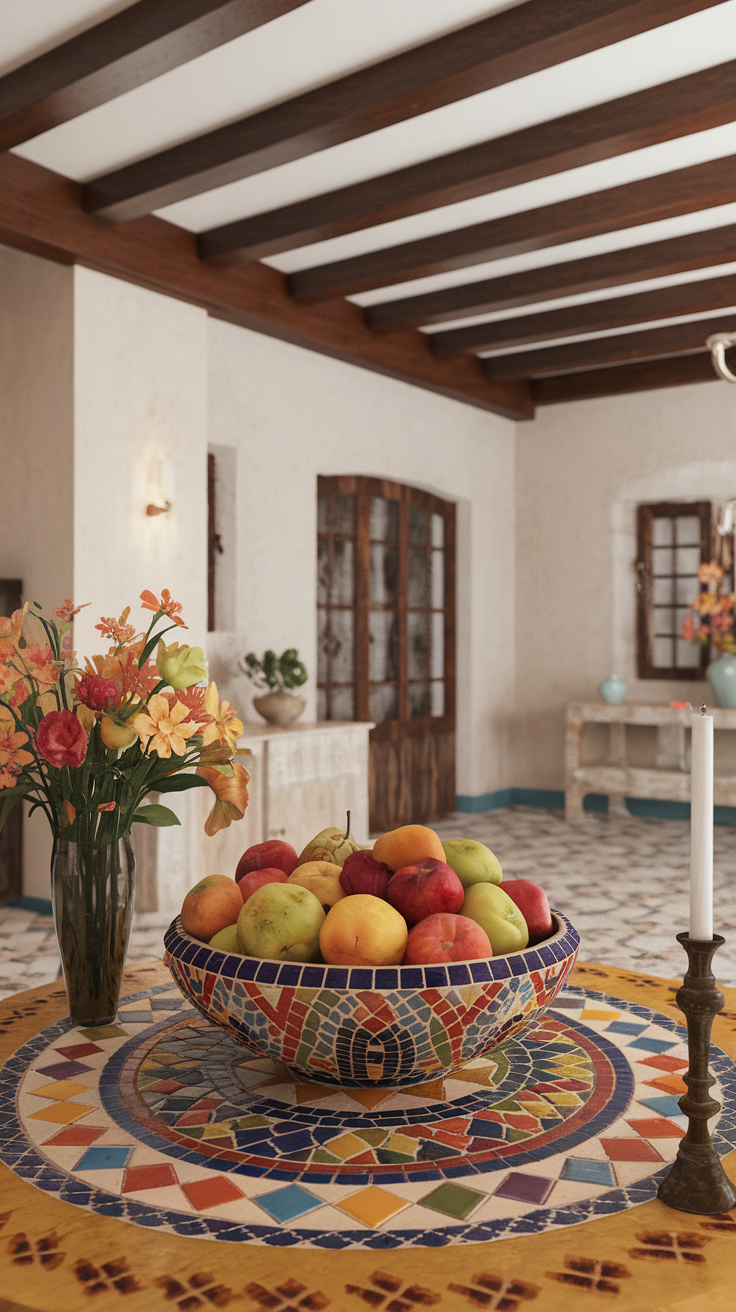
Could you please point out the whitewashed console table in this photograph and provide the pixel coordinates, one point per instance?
(667, 780)
(304, 777)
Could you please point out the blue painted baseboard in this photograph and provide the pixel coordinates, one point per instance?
(41, 905)
(555, 800)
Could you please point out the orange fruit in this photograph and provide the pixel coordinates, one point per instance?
(408, 846)
(363, 930)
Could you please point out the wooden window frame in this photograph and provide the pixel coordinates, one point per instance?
(364, 488)
(645, 515)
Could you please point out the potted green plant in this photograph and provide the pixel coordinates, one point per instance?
(278, 674)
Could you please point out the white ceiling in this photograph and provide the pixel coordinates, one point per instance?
(325, 39)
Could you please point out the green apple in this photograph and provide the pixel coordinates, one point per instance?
(281, 922)
(493, 910)
(473, 863)
(226, 939)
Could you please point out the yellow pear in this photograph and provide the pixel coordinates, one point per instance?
(330, 845)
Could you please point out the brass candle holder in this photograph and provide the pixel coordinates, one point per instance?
(696, 1181)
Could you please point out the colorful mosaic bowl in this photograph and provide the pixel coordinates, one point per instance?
(372, 1026)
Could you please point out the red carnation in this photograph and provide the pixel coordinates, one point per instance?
(61, 739)
(97, 692)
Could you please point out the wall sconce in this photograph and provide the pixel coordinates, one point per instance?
(718, 344)
(160, 486)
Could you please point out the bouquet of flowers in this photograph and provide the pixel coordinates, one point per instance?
(712, 615)
(87, 744)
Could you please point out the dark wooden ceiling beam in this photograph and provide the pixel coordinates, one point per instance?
(643, 377)
(496, 50)
(593, 317)
(42, 212)
(139, 43)
(661, 259)
(646, 344)
(700, 186)
(673, 109)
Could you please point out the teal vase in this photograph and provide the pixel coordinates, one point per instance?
(722, 679)
(613, 690)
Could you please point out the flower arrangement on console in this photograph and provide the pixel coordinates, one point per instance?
(712, 616)
(86, 745)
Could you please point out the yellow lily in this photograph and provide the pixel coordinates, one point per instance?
(225, 726)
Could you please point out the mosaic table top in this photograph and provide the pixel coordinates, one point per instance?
(163, 1126)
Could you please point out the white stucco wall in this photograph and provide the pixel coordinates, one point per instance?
(140, 397)
(581, 470)
(36, 441)
(290, 415)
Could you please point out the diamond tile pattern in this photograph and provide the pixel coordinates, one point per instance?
(225, 1135)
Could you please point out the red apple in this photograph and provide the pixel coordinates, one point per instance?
(361, 874)
(257, 878)
(531, 900)
(425, 889)
(273, 855)
(445, 937)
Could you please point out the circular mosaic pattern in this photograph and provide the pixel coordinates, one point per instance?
(167, 1122)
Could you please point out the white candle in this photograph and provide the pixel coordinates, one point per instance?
(701, 828)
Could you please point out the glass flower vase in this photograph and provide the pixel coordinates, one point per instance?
(92, 888)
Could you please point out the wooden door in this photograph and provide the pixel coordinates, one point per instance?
(386, 638)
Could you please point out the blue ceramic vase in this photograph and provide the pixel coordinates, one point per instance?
(722, 679)
(613, 690)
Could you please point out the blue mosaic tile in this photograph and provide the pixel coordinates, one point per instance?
(654, 1045)
(588, 1171)
(668, 1105)
(287, 1204)
(625, 1027)
(104, 1159)
(267, 972)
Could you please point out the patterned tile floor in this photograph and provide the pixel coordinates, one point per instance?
(622, 880)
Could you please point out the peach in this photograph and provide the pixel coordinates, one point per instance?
(321, 878)
(257, 878)
(363, 930)
(446, 937)
(408, 846)
(213, 904)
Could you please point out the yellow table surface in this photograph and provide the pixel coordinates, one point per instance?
(631, 1261)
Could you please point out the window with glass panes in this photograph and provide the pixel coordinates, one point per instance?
(674, 539)
(385, 602)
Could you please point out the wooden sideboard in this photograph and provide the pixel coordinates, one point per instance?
(304, 777)
(667, 780)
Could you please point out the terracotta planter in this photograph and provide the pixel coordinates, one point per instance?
(279, 707)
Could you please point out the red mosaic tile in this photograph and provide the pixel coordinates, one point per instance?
(76, 1136)
(656, 1127)
(630, 1150)
(211, 1193)
(664, 1063)
(79, 1050)
(194, 1118)
(155, 1176)
(164, 1086)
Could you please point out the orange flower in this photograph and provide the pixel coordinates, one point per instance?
(117, 629)
(67, 609)
(225, 726)
(40, 665)
(231, 794)
(193, 699)
(12, 755)
(165, 606)
(164, 728)
(11, 630)
(710, 572)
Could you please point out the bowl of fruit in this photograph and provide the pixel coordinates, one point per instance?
(363, 968)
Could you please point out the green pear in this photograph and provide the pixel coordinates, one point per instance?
(226, 939)
(330, 845)
(281, 922)
(473, 863)
(493, 910)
